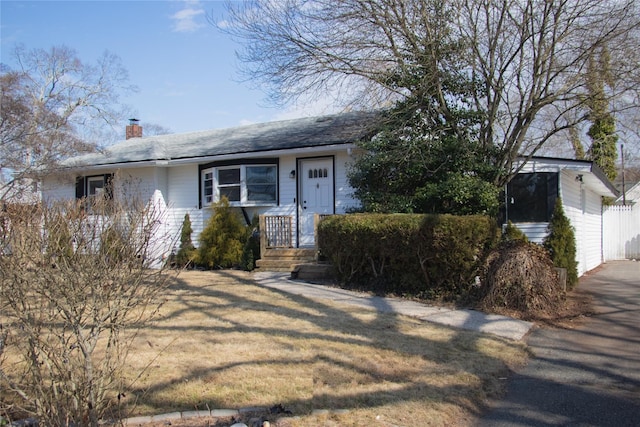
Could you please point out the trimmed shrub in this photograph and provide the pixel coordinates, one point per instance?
(222, 240)
(561, 244)
(426, 256)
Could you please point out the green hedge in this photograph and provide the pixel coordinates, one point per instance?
(427, 256)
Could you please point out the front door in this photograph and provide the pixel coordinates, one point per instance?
(316, 195)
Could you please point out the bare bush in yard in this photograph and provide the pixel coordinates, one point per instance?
(521, 278)
(74, 288)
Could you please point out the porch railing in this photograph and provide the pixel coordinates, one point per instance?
(276, 231)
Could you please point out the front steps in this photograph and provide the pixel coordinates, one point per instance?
(285, 259)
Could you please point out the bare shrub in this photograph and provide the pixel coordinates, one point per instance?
(521, 277)
(74, 288)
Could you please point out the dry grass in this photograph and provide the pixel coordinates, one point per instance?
(223, 342)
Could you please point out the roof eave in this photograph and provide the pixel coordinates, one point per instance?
(307, 151)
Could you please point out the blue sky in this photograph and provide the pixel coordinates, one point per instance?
(184, 68)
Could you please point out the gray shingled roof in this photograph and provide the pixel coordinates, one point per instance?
(262, 137)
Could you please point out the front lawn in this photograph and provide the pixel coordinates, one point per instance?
(223, 342)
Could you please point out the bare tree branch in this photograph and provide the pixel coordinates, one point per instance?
(527, 59)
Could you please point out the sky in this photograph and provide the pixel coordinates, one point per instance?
(185, 69)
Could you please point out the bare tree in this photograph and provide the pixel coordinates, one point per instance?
(523, 62)
(153, 129)
(53, 106)
(75, 285)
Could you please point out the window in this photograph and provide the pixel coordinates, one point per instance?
(243, 185)
(531, 197)
(229, 184)
(261, 183)
(94, 186)
(318, 173)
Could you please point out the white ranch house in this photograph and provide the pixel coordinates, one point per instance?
(292, 172)
(288, 172)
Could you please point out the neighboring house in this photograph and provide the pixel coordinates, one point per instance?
(289, 170)
(531, 197)
(631, 195)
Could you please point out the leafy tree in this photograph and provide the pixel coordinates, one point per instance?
(416, 165)
(561, 243)
(222, 240)
(603, 150)
(521, 62)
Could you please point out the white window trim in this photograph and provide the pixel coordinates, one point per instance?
(100, 190)
(215, 196)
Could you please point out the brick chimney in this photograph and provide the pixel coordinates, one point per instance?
(134, 130)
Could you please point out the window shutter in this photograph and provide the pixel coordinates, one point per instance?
(80, 187)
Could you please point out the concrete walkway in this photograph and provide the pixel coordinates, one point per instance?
(588, 376)
(465, 319)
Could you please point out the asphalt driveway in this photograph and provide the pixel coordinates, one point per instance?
(588, 376)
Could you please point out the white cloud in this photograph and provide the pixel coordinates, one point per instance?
(189, 18)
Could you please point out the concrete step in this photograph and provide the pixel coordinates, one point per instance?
(313, 272)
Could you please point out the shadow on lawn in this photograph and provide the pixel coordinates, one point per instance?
(346, 353)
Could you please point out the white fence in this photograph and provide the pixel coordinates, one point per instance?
(621, 232)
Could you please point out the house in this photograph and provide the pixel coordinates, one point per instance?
(631, 196)
(581, 185)
(287, 171)
(292, 172)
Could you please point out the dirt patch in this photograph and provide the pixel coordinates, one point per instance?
(577, 308)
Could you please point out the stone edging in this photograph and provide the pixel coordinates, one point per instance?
(173, 416)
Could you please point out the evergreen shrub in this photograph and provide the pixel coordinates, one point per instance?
(513, 233)
(561, 244)
(427, 256)
(187, 251)
(223, 239)
(251, 250)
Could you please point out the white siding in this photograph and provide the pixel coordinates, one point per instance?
(535, 231)
(583, 208)
(174, 190)
(58, 187)
(139, 183)
(621, 231)
(182, 196)
(145, 184)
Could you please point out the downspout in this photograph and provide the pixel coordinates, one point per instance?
(246, 215)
